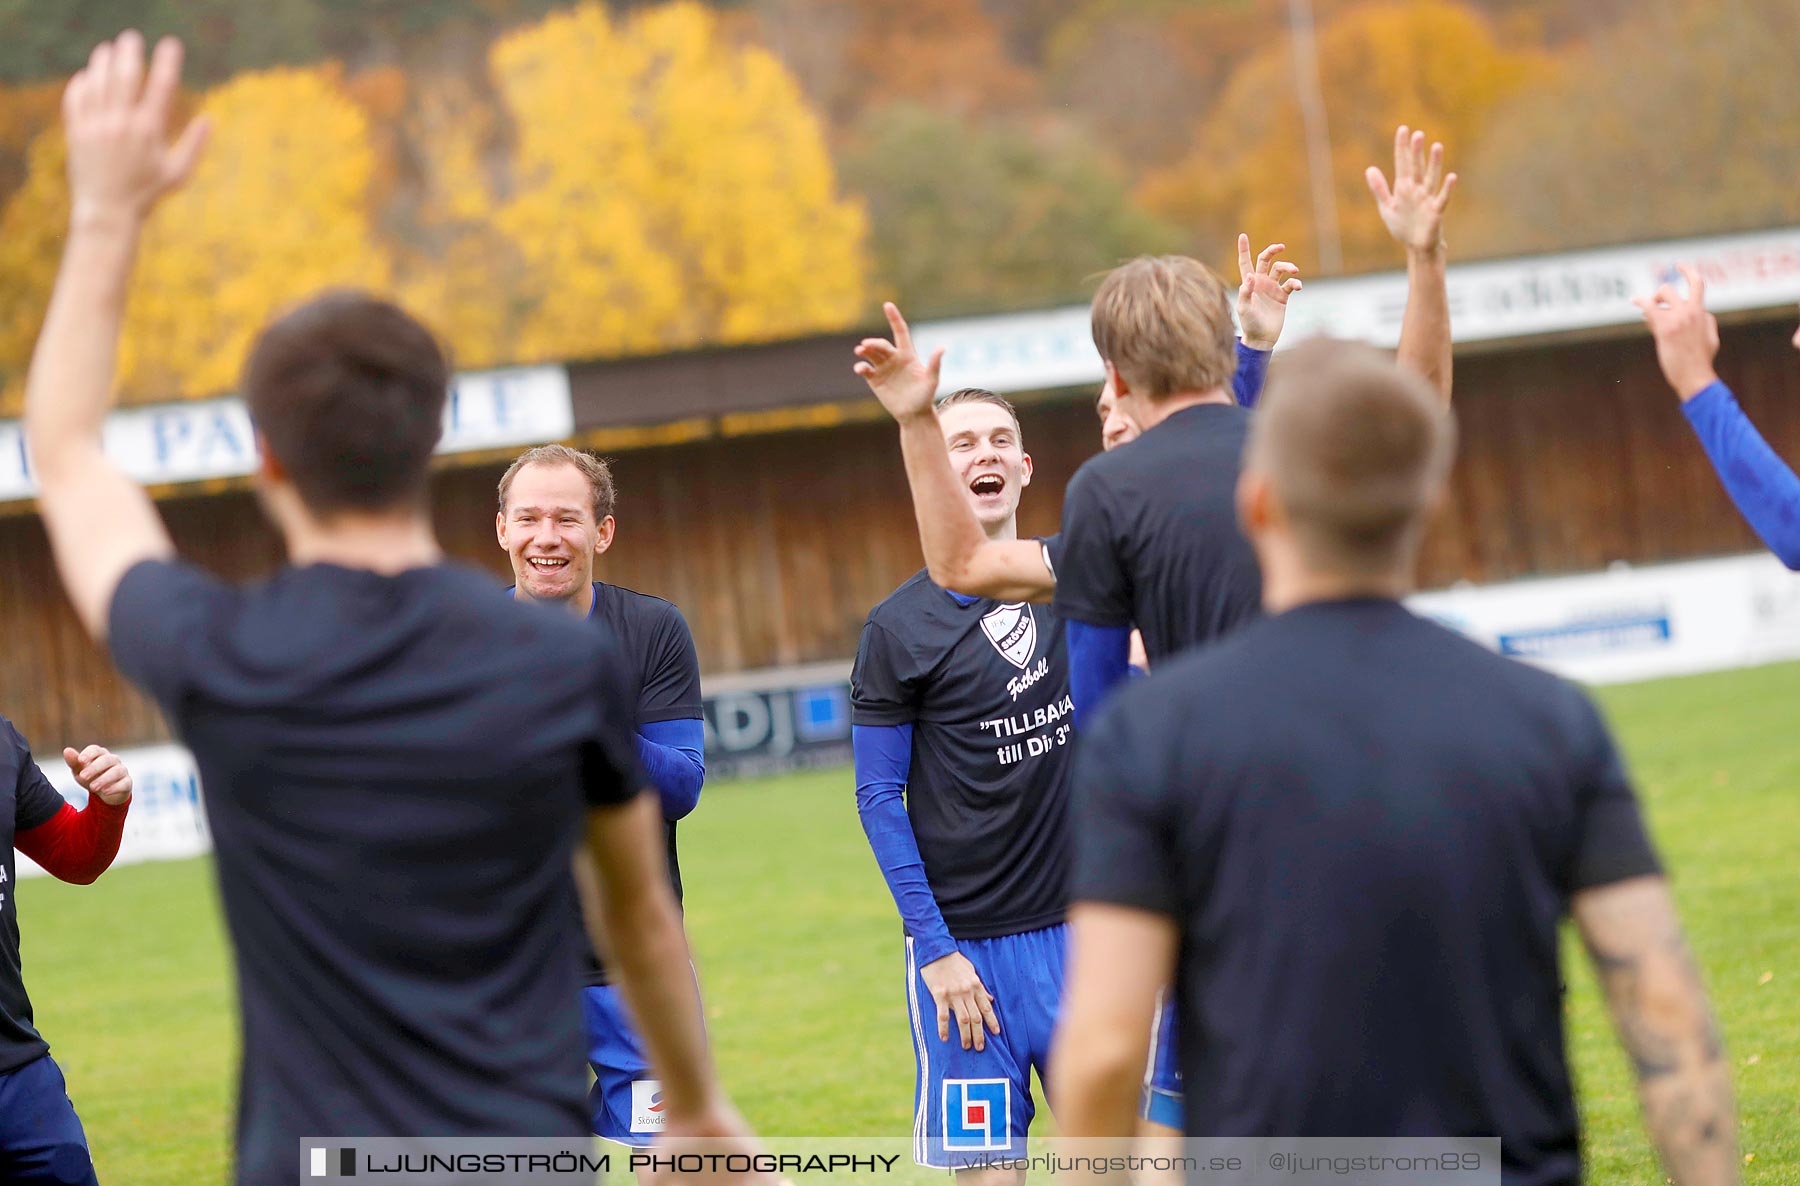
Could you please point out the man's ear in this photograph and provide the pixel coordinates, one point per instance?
(500, 530)
(1024, 470)
(1255, 504)
(603, 535)
(267, 463)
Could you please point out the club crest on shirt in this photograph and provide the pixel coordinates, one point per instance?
(1013, 630)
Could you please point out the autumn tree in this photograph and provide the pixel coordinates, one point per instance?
(278, 211)
(1432, 64)
(693, 200)
(1679, 122)
(971, 219)
(856, 55)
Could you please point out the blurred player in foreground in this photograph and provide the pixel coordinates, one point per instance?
(961, 728)
(555, 518)
(41, 1140)
(1762, 485)
(1355, 833)
(397, 764)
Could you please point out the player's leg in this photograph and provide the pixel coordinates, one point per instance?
(41, 1140)
(625, 1104)
(969, 1105)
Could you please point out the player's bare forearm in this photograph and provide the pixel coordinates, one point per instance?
(99, 521)
(1425, 329)
(641, 929)
(1660, 1010)
(958, 554)
(1119, 959)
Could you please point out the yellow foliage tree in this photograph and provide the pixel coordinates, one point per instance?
(670, 188)
(1432, 64)
(277, 211)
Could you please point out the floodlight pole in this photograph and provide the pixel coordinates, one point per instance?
(1311, 93)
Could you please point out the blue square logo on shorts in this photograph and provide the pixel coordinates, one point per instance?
(977, 1114)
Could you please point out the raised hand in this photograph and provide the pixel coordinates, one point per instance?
(1687, 336)
(1263, 296)
(100, 772)
(116, 116)
(957, 988)
(1413, 208)
(904, 383)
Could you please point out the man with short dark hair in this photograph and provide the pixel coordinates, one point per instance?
(397, 765)
(555, 518)
(1349, 836)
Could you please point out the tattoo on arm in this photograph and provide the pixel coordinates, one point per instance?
(1658, 1002)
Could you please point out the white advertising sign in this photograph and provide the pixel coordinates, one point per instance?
(201, 439)
(1488, 302)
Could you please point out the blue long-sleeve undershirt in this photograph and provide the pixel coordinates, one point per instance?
(1762, 485)
(673, 754)
(1099, 661)
(883, 762)
(1252, 369)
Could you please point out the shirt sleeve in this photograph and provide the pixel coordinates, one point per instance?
(1252, 371)
(610, 773)
(36, 801)
(671, 690)
(1091, 584)
(1099, 661)
(884, 681)
(157, 612)
(1612, 843)
(1762, 485)
(1123, 843)
(883, 762)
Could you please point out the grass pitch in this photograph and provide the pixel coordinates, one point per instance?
(800, 957)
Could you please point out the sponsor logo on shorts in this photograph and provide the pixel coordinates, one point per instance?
(977, 1114)
(647, 1114)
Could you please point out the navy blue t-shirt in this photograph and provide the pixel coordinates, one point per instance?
(1367, 829)
(26, 800)
(985, 686)
(1150, 536)
(661, 674)
(396, 770)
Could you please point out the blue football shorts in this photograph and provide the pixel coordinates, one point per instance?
(969, 1104)
(1162, 1101)
(41, 1140)
(625, 1103)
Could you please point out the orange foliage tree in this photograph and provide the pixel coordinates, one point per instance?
(1433, 64)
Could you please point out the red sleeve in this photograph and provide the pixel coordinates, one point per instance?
(75, 845)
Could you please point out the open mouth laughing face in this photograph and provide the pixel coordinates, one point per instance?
(548, 531)
(989, 458)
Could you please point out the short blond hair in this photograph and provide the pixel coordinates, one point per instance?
(597, 472)
(1356, 449)
(1164, 322)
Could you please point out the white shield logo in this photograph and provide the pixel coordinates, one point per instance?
(1013, 631)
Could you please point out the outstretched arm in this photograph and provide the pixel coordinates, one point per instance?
(1267, 283)
(120, 163)
(1413, 210)
(958, 553)
(1660, 1010)
(1765, 489)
